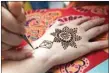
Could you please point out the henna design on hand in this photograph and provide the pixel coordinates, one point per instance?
(66, 36)
(46, 44)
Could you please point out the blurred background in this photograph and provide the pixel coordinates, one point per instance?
(28, 5)
(44, 4)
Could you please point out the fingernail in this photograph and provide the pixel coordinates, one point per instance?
(28, 55)
(103, 19)
(19, 48)
(88, 16)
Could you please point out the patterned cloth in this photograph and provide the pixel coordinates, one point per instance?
(40, 20)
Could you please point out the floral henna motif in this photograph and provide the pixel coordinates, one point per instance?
(66, 36)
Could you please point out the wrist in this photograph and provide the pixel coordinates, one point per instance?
(42, 57)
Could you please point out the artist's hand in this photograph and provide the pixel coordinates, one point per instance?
(63, 43)
(13, 21)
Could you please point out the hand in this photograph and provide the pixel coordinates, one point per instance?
(45, 57)
(63, 43)
(12, 24)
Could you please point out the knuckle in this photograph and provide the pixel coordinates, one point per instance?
(98, 29)
(84, 45)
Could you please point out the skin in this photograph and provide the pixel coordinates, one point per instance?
(14, 21)
(43, 59)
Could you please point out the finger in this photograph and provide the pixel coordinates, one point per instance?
(10, 39)
(79, 21)
(5, 46)
(21, 17)
(98, 45)
(91, 23)
(10, 23)
(17, 55)
(93, 32)
(15, 8)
